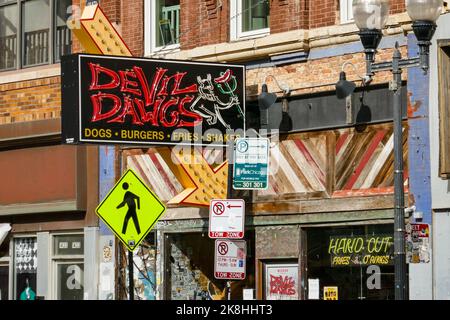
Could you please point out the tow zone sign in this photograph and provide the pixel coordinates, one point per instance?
(226, 219)
(229, 258)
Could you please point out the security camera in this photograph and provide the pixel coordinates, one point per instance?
(367, 79)
(410, 210)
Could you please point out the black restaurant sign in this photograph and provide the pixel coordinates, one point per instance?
(108, 99)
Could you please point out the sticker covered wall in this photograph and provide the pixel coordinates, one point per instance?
(108, 99)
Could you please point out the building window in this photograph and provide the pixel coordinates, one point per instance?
(8, 34)
(249, 18)
(27, 41)
(162, 25)
(444, 109)
(25, 268)
(346, 11)
(63, 35)
(357, 261)
(68, 266)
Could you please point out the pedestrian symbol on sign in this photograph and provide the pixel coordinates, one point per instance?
(129, 200)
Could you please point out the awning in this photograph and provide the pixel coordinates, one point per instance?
(4, 229)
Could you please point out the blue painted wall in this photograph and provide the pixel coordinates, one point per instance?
(419, 136)
(107, 178)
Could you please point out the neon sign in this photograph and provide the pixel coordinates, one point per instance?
(361, 250)
(143, 101)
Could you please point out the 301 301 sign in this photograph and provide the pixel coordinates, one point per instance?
(109, 99)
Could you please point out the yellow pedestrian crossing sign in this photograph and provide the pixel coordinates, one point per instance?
(130, 209)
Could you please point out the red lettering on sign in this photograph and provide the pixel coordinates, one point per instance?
(149, 91)
(164, 102)
(128, 110)
(174, 115)
(97, 106)
(127, 84)
(176, 87)
(150, 116)
(197, 119)
(96, 69)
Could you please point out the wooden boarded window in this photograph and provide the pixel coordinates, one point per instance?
(444, 107)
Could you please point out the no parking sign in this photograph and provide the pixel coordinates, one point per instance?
(227, 219)
(229, 257)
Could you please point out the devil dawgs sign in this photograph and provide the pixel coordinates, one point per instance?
(108, 99)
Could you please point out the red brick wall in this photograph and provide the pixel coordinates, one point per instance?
(323, 13)
(319, 75)
(202, 22)
(397, 6)
(286, 15)
(112, 9)
(76, 46)
(132, 26)
(30, 100)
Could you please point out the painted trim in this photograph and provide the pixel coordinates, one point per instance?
(32, 73)
(305, 220)
(28, 130)
(355, 47)
(91, 261)
(43, 265)
(38, 208)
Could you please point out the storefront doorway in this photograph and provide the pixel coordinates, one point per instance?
(190, 268)
(353, 263)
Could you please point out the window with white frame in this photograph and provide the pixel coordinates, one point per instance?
(162, 25)
(68, 266)
(249, 18)
(346, 11)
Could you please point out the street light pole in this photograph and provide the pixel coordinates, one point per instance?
(371, 17)
(399, 204)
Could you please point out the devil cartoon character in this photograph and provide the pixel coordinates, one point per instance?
(226, 84)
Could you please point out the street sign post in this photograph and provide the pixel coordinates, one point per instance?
(130, 210)
(229, 258)
(251, 164)
(227, 219)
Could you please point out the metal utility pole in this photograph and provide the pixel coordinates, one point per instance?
(130, 276)
(399, 205)
(395, 67)
(371, 17)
